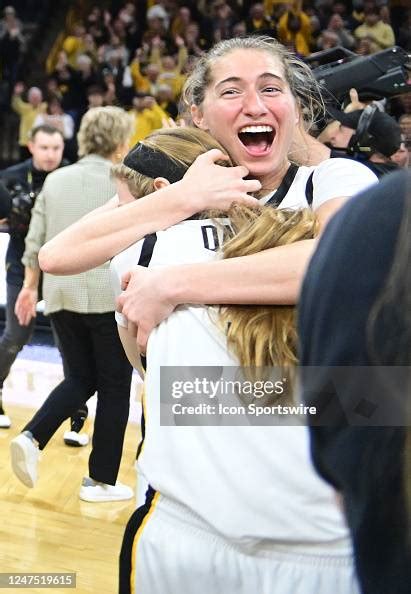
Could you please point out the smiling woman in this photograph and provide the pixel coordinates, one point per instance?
(250, 94)
(253, 113)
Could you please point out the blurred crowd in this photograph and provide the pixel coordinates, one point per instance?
(137, 54)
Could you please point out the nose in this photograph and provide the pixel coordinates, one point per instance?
(253, 104)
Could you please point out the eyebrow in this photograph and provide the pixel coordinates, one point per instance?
(238, 79)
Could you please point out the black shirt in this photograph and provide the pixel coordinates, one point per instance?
(346, 275)
(379, 169)
(26, 178)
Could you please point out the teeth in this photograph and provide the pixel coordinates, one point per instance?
(255, 129)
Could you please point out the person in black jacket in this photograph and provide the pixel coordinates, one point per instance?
(367, 135)
(21, 185)
(5, 202)
(355, 336)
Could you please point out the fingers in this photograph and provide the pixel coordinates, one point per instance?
(24, 315)
(132, 328)
(125, 279)
(246, 200)
(252, 185)
(214, 155)
(142, 338)
(354, 96)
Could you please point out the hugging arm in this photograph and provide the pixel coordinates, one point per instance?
(271, 276)
(97, 238)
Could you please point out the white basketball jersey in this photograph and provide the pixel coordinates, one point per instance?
(250, 483)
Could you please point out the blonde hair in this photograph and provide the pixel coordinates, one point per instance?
(130, 177)
(260, 336)
(264, 335)
(103, 130)
(180, 145)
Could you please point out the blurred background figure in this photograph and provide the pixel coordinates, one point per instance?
(81, 310)
(28, 111)
(24, 182)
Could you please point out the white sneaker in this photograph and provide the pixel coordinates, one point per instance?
(5, 421)
(72, 438)
(24, 459)
(95, 492)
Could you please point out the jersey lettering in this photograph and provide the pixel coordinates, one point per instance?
(212, 239)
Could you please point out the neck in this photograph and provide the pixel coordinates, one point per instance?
(115, 157)
(35, 166)
(273, 181)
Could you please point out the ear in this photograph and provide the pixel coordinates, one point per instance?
(198, 118)
(161, 182)
(30, 146)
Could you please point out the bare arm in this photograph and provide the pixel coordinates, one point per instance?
(97, 238)
(131, 349)
(272, 276)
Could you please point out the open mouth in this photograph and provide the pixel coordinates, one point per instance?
(257, 140)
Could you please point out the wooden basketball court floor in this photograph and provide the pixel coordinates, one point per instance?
(48, 529)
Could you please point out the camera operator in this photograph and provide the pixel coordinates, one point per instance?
(22, 183)
(367, 135)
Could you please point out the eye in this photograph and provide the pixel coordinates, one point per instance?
(229, 92)
(271, 90)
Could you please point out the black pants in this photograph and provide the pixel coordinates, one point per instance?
(14, 336)
(95, 361)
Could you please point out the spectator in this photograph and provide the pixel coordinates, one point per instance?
(336, 24)
(157, 24)
(74, 44)
(148, 116)
(28, 111)
(12, 46)
(170, 67)
(9, 21)
(55, 116)
(67, 79)
(164, 98)
(364, 47)
(327, 39)
(380, 34)
(180, 22)
(193, 40)
(257, 21)
(356, 17)
(95, 96)
(223, 20)
(294, 29)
